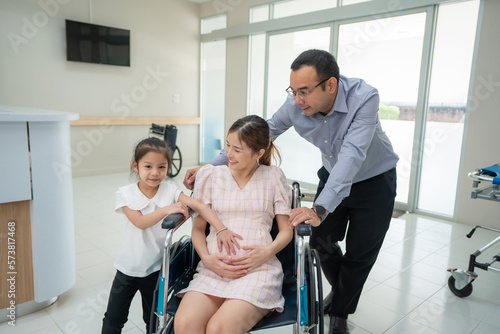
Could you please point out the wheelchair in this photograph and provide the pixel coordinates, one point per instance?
(168, 133)
(302, 287)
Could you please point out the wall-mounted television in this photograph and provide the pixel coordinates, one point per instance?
(98, 44)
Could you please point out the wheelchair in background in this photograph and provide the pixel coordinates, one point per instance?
(302, 287)
(168, 133)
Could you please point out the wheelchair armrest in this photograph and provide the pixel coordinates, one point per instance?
(174, 220)
(304, 230)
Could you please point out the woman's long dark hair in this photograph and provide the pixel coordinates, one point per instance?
(254, 132)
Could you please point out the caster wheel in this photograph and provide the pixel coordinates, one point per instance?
(464, 292)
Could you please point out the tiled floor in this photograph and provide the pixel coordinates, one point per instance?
(406, 292)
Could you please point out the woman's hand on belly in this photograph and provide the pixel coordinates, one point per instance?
(223, 265)
(255, 256)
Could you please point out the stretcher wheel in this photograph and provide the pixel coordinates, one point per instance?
(464, 292)
(176, 162)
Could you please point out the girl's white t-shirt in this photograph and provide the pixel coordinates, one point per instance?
(141, 251)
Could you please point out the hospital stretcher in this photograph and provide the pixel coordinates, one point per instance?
(460, 281)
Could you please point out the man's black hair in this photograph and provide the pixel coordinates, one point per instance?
(324, 62)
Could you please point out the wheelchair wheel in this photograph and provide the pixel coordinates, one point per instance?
(153, 319)
(311, 290)
(169, 329)
(176, 162)
(464, 292)
(321, 315)
(175, 249)
(315, 298)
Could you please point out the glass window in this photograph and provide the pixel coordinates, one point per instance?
(213, 79)
(449, 86)
(212, 93)
(294, 150)
(386, 53)
(350, 2)
(294, 7)
(209, 24)
(259, 13)
(256, 75)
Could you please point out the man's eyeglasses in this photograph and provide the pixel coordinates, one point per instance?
(302, 95)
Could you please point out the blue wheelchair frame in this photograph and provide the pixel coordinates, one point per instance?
(303, 300)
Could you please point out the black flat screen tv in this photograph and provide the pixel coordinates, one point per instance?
(92, 43)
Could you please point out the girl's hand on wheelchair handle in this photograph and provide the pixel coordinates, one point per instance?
(227, 239)
(178, 207)
(221, 264)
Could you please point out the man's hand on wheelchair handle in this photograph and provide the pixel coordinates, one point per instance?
(303, 215)
(190, 177)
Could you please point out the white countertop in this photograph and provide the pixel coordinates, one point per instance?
(22, 114)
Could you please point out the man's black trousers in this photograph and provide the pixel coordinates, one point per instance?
(363, 218)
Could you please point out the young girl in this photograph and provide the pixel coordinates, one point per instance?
(145, 204)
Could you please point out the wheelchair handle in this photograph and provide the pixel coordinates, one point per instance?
(304, 230)
(174, 220)
(296, 195)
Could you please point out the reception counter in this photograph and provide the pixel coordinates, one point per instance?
(36, 209)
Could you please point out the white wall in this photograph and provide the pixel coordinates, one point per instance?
(164, 54)
(482, 144)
